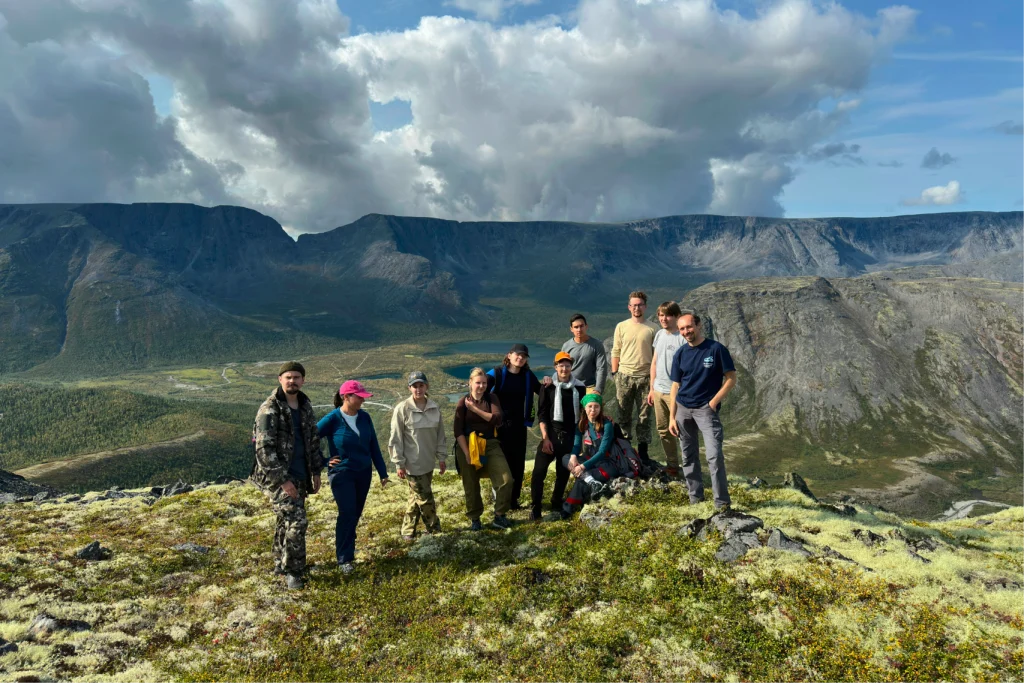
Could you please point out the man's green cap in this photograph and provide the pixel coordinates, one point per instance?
(292, 366)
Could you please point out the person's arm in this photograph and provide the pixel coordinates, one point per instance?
(396, 442)
(676, 375)
(577, 442)
(442, 443)
(325, 430)
(654, 373)
(607, 436)
(267, 455)
(727, 385)
(375, 454)
(459, 426)
(602, 366)
(545, 410)
(493, 416)
(616, 348)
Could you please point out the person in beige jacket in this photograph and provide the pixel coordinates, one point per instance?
(417, 440)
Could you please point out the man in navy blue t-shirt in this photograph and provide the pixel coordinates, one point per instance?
(702, 374)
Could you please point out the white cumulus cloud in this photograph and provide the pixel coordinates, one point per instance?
(940, 195)
(634, 110)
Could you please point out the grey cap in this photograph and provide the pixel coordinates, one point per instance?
(417, 376)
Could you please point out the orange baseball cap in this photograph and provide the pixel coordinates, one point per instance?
(562, 355)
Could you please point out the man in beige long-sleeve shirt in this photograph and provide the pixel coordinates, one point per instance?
(632, 351)
(418, 440)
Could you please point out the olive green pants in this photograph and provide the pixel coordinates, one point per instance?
(497, 470)
(421, 504)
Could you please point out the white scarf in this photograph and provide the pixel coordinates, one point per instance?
(559, 415)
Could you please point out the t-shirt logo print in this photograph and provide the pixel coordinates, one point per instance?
(709, 361)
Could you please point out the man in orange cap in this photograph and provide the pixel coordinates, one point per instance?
(558, 411)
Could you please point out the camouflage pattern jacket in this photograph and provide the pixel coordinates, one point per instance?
(274, 439)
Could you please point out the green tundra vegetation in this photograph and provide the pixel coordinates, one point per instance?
(631, 600)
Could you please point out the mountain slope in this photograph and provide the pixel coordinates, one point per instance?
(82, 286)
(923, 376)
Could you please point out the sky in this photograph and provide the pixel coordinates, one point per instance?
(317, 112)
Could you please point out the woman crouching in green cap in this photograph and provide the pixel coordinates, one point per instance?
(591, 460)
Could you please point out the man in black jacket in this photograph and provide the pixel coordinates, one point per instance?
(287, 467)
(559, 412)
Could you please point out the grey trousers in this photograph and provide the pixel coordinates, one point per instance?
(690, 420)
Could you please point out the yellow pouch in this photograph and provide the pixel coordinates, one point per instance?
(477, 449)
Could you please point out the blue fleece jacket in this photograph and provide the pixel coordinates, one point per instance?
(356, 451)
(607, 435)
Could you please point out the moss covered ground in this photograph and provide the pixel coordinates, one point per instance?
(634, 600)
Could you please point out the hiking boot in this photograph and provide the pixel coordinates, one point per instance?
(346, 568)
(596, 489)
(501, 522)
(672, 472)
(723, 508)
(535, 516)
(294, 582)
(476, 526)
(279, 571)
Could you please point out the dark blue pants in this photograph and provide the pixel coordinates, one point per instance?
(350, 489)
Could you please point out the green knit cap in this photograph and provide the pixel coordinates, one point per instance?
(292, 366)
(591, 398)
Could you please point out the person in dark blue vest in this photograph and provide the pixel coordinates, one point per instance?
(515, 385)
(352, 441)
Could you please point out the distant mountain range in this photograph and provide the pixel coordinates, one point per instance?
(86, 286)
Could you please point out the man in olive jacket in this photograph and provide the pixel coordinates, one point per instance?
(287, 467)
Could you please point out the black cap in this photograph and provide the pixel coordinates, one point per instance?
(520, 349)
(417, 376)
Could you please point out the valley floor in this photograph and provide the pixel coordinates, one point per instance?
(628, 599)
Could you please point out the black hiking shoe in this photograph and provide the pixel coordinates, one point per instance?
(476, 526)
(501, 522)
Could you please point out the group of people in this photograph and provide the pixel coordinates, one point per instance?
(675, 369)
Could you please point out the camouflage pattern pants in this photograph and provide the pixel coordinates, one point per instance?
(421, 504)
(631, 393)
(290, 534)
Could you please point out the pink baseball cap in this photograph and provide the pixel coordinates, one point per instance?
(354, 387)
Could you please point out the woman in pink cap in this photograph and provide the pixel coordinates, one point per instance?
(352, 442)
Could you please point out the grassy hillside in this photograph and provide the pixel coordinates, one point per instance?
(100, 437)
(634, 600)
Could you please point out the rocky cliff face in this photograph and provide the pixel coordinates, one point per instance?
(122, 283)
(923, 376)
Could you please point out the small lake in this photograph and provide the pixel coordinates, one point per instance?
(496, 348)
(462, 371)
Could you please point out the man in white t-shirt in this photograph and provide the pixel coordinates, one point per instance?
(666, 341)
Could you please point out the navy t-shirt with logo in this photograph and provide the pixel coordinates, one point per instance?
(700, 371)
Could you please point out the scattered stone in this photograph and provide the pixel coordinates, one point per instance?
(736, 546)
(191, 547)
(93, 552)
(868, 537)
(41, 496)
(71, 499)
(835, 555)
(795, 481)
(758, 483)
(841, 509)
(177, 489)
(693, 528)
(983, 522)
(225, 479)
(598, 518)
(7, 498)
(156, 491)
(28, 678)
(731, 522)
(621, 486)
(44, 625)
(781, 541)
(915, 556)
(7, 648)
(114, 494)
(200, 485)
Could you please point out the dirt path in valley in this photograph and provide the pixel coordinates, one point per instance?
(76, 462)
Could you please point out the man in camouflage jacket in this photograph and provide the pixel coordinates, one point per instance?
(285, 425)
